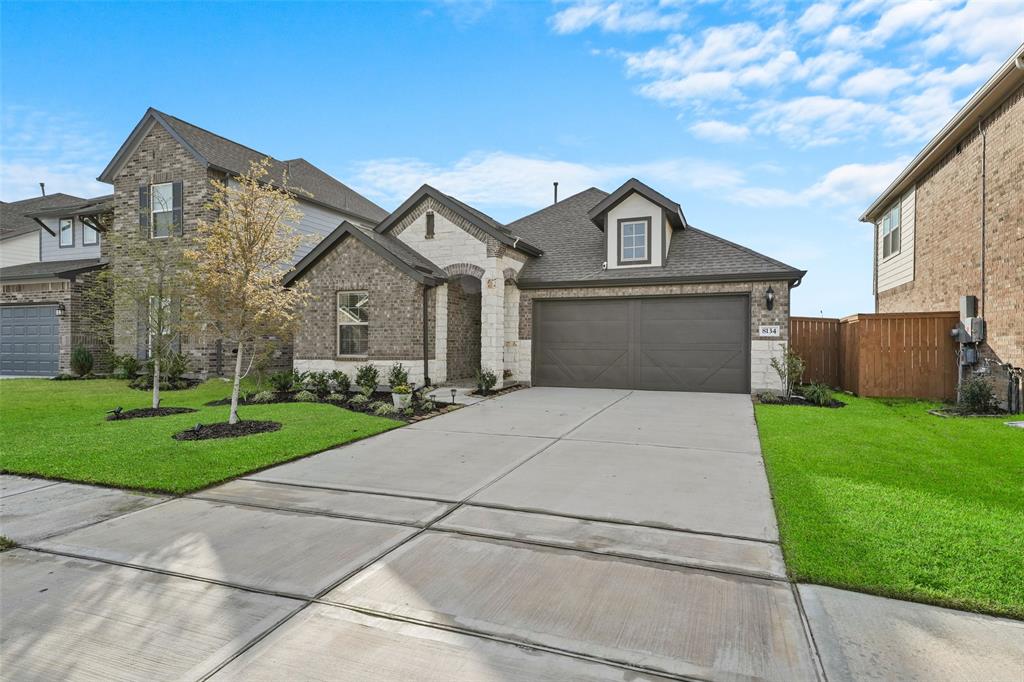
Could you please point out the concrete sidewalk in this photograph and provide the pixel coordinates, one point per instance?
(547, 534)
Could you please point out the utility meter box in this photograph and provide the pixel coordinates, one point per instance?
(975, 328)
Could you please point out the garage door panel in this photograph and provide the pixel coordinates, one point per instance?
(29, 340)
(667, 343)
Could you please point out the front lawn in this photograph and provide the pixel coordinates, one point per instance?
(58, 429)
(882, 497)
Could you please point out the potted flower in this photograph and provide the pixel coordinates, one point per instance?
(401, 395)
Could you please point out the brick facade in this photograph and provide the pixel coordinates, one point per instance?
(948, 241)
(396, 311)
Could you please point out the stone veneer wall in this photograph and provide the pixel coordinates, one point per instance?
(761, 350)
(463, 329)
(396, 313)
(948, 233)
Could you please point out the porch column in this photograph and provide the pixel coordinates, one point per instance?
(492, 320)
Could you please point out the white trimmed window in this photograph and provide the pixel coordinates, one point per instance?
(90, 237)
(66, 232)
(353, 322)
(162, 209)
(891, 231)
(633, 237)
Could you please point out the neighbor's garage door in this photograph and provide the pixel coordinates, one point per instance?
(691, 343)
(29, 340)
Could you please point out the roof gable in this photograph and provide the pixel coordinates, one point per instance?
(233, 158)
(474, 217)
(387, 247)
(673, 211)
(16, 218)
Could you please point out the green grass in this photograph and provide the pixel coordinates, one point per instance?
(58, 429)
(882, 497)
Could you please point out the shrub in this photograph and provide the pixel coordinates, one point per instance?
(383, 409)
(358, 399)
(126, 366)
(319, 383)
(819, 394)
(305, 397)
(338, 398)
(790, 369)
(401, 389)
(263, 397)
(485, 380)
(174, 365)
(81, 361)
(282, 382)
(340, 381)
(367, 378)
(977, 396)
(769, 397)
(398, 375)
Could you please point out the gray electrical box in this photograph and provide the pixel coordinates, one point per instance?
(968, 307)
(975, 328)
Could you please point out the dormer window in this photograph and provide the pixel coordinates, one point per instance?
(634, 241)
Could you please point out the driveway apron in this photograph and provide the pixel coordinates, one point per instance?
(547, 534)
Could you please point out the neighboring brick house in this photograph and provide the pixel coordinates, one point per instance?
(161, 176)
(45, 310)
(952, 223)
(597, 290)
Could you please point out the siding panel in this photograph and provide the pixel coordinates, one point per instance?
(899, 269)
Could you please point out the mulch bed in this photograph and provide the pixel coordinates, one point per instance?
(225, 430)
(794, 400)
(144, 412)
(424, 408)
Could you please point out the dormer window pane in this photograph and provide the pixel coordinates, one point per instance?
(67, 232)
(633, 241)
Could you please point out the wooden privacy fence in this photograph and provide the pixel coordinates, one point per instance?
(880, 355)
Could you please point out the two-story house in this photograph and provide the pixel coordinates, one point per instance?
(597, 290)
(161, 182)
(952, 223)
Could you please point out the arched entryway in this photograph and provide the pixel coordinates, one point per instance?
(464, 298)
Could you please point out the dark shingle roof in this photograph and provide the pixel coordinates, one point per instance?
(47, 269)
(14, 220)
(233, 157)
(574, 251)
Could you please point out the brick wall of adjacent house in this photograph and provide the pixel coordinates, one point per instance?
(947, 246)
(463, 329)
(86, 320)
(762, 350)
(395, 300)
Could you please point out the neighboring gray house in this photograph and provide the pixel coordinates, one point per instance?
(598, 290)
(162, 157)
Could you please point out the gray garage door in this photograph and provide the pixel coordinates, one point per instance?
(29, 340)
(694, 343)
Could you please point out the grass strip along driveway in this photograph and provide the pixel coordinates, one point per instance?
(882, 497)
(58, 429)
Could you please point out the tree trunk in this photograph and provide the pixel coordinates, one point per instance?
(156, 381)
(233, 419)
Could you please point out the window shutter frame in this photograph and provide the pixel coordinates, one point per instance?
(177, 198)
(144, 217)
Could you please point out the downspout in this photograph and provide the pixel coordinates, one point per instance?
(426, 359)
(984, 145)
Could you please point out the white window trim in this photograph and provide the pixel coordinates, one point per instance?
(349, 323)
(95, 232)
(644, 229)
(60, 232)
(886, 229)
(153, 211)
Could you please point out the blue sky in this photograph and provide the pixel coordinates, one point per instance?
(773, 125)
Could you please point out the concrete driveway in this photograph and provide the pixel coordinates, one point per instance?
(548, 534)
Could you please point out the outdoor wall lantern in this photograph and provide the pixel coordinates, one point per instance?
(60, 310)
(769, 298)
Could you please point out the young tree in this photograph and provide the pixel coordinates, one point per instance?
(240, 257)
(147, 282)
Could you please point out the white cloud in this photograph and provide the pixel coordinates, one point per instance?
(618, 17)
(852, 184)
(61, 150)
(876, 82)
(720, 131)
(512, 181)
(817, 17)
(820, 120)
